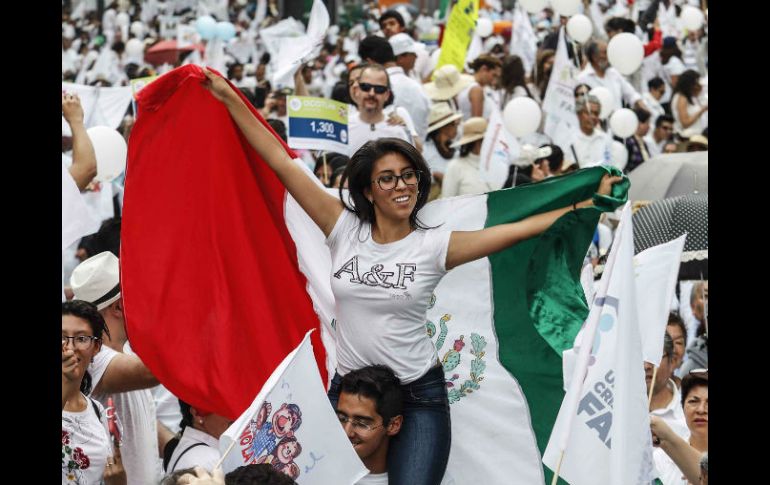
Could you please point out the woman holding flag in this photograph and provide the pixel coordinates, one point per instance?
(386, 263)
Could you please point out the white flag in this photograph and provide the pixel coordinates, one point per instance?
(656, 270)
(523, 38)
(603, 426)
(559, 102)
(76, 220)
(292, 54)
(292, 426)
(101, 106)
(498, 150)
(475, 49)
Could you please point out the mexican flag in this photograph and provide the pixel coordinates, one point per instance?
(223, 273)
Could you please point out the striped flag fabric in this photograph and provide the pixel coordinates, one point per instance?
(223, 274)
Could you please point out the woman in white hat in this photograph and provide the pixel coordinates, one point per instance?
(447, 83)
(462, 175)
(386, 263)
(442, 131)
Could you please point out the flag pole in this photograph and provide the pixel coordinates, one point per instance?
(326, 177)
(224, 455)
(558, 468)
(652, 385)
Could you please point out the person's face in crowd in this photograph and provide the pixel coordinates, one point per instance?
(323, 173)
(581, 92)
(370, 100)
(659, 92)
(353, 89)
(600, 59)
(307, 74)
(664, 131)
(701, 300)
(406, 61)
(396, 203)
(665, 370)
(490, 76)
(643, 128)
(212, 424)
(72, 326)
(696, 409)
(447, 133)
(589, 118)
(540, 170)
(362, 409)
(391, 27)
(678, 337)
(548, 64)
(280, 104)
(237, 73)
(260, 72)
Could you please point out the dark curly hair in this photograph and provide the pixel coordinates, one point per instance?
(86, 311)
(257, 473)
(379, 383)
(358, 174)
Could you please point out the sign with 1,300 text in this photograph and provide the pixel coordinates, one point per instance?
(317, 123)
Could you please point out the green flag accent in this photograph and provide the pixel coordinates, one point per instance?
(539, 304)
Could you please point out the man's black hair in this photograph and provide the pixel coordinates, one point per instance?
(379, 383)
(377, 49)
(392, 14)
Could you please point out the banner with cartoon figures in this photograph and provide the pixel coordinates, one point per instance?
(291, 425)
(317, 124)
(457, 35)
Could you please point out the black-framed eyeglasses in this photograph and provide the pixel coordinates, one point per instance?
(390, 181)
(357, 425)
(79, 341)
(378, 89)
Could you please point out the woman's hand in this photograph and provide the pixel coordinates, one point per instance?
(660, 430)
(114, 473)
(218, 87)
(605, 186)
(69, 366)
(71, 108)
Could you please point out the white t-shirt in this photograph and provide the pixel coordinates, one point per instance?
(668, 472)
(590, 150)
(85, 445)
(491, 101)
(436, 162)
(205, 455)
(408, 94)
(139, 451)
(381, 294)
(673, 413)
(360, 132)
(692, 110)
(374, 479)
(101, 360)
(674, 67)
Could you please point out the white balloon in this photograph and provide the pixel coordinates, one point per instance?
(579, 27)
(521, 116)
(624, 123)
(137, 28)
(566, 8)
(619, 155)
(484, 27)
(533, 6)
(134, 48)
(606, 100)
(625, 52)
(111, 150)
(692, 17)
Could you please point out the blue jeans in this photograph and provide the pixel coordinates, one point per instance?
(419, 453)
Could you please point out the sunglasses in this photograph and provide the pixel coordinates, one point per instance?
(366, 87)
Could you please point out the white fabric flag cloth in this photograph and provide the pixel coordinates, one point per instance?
(498, 149)
(293, 54)
(292, 426)
(656, 270)
(603, 425)
(523, 38)
(101, 106)
(475, 49)
(559, 102)
(76, 219)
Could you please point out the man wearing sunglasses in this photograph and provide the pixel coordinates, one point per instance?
(369, 122)
(370, 411)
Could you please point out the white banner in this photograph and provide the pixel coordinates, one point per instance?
(559, 100)
(656, 270)
(603, 426)
(292, 426)
(523, 38)
(293, 54)
(101, 106)
(498, 149)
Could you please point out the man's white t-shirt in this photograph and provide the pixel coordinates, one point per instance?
(360, 132)
(381, 294)
(190, 452)
(408, 94)
(590, 150)
(374, 479)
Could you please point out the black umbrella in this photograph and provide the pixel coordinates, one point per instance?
(667, 219)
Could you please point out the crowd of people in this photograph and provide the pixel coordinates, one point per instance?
(416, 133)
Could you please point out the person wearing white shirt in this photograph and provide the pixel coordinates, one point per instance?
(441, 134)
(599, 73)
(370, 122)
(590, 146)
(199, 443)
(462, 175)
(687, 107)
(407, 92)
(392, 23)
(656, 88)
(666, 400)
(480, 98)
(670, 67)
(369, 408)
(664, 129)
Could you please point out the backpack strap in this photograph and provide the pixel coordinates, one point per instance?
(173, 467)
(96, 409)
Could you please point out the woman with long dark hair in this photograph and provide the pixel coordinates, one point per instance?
(386, 263)
(543, 67)
(686, 105)
(513, 81)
